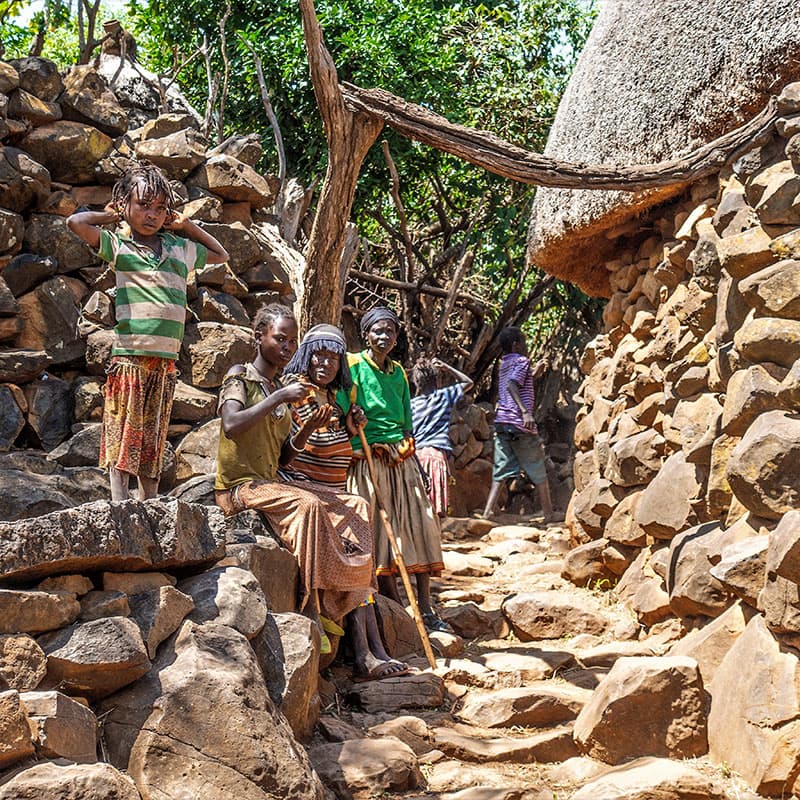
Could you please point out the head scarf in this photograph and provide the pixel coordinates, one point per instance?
(322, 337)
(376, 314)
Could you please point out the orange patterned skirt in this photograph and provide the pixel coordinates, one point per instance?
(138, 403)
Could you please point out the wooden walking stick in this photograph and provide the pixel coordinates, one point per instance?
(401, 564)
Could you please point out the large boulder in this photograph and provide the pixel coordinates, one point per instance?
(667, 504)
(202, 723)
(234, 180)
(692, 588)
(762, 468)
(95, 658)
(210, 349)
(50, 316)
(550, 615)
(133, 535)
(88, 99)
(65, 781)
(753, 723)
(288, 651)
(69, 150)
(645, 706)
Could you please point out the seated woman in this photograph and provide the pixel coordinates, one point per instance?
(320, 366)
(327, 530)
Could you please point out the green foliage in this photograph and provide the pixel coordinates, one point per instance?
(60, 27)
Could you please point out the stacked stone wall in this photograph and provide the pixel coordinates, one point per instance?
(687, 475)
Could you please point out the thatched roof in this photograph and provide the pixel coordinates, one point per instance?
(655, 80)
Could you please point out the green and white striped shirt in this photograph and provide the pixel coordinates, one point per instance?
(150, 303)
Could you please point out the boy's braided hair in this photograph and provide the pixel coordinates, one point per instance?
(152, 182)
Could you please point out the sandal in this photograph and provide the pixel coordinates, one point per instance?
(433, 622)
(386, 669)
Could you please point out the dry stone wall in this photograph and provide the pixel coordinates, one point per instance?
(687, 478)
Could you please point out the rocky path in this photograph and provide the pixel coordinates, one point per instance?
(523, 704)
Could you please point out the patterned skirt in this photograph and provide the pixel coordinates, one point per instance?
(408, 509)
(434, 462)
(138, 403)
(328, 532)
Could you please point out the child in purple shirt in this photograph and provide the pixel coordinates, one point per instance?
(517, 447)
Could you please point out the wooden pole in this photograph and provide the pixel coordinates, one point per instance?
(398, 555)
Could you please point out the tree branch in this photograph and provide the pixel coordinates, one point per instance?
(509, 161)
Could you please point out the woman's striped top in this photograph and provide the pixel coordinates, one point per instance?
(328, 453)
(150, 302)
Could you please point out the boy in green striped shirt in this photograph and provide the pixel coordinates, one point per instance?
(152, 263)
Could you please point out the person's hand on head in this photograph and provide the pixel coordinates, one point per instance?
(114, 210)
(175, 220)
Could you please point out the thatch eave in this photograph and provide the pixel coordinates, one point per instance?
(654, 81)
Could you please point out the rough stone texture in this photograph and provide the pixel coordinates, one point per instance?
(471, 622)
(366, 767)
(769, 339)
(288, 651)
(154, 534)
(692, 588)
(645, 706)
(69, 150)
(753, 723)
(159, 613)
(23, 611)
(59, 781)
(95, 658)
(636, 459)
(774, 291)
(61, 727)
(398, 629)
(274, 566)
(202, 722)
(783, 554)
(209, 349)
(535, 704)
(424, 690)
(709, 645)
(15, 736)
(229, 595)
(762, 469)
(466, 744)
(22, 662)
(550, 615)
(688, 97)
(666, 504)
(95, 605)
(742, 568)
(655, 779)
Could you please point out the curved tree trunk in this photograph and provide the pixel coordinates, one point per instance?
(350, 134)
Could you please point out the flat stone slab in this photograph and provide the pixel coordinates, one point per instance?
(119, 537)
(424, 690)
(467, 744)
(542, 703)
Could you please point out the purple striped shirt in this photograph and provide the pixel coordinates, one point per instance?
(514, 367)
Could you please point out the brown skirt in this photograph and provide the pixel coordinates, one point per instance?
(328, 532)
(409, 511)
(138, 404)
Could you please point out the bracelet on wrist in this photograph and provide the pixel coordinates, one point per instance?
(294, 446)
